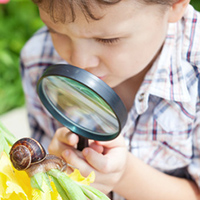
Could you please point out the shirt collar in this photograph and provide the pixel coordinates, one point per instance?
(166, 77)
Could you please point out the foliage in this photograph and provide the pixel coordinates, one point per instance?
(196, 4)
(20, 21)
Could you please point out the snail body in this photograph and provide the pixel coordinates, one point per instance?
(29, 155)
(50, 162)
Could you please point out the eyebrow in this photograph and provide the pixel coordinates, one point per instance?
(102, 35)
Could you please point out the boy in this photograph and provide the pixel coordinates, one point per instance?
(149, 53)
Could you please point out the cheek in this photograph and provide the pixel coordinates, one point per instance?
(125, 58)
(131, 58)
(61, 44)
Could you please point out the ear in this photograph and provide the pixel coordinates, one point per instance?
(177, 10)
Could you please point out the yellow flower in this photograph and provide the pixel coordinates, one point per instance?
(47, 194)
(76, 176)
(17, 185)
(14, 184)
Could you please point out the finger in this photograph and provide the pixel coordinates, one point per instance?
(76, 159)
(69, 170)
(96, 147)
(110, 162)
(56, 148)
(62, 140)
(65, 136)
(117, 142)
(95, 159)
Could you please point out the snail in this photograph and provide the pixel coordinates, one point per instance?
(29, 155)
(50, 162)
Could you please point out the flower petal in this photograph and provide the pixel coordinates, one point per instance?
(76, 176)
(55, 195)
(46, 193)
(15, 188)
(3, 185)
(13, 181)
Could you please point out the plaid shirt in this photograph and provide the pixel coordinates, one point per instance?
(163, 126)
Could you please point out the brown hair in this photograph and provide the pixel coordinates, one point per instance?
(58, 9)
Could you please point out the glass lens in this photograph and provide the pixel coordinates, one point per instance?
(80, 105)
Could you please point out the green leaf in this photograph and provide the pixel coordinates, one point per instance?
(93, 193)
(4, 145)
(60, 190)
(71, 188)
(10, 138)
(37, 181)
(47, 181)
(89, 194)
(6, 139)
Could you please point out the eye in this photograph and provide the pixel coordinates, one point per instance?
(108, 41)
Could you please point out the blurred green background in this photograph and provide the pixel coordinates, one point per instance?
(19, 19)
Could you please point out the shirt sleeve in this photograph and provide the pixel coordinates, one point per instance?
(42, 124)
(36, 55)
(194, 167)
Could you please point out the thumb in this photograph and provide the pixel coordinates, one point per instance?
(117, 142)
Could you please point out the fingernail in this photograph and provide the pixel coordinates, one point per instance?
(85, 152)
(65, 153)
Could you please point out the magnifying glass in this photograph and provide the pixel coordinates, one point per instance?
(82, 102)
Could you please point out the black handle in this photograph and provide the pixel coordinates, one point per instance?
(83, 142)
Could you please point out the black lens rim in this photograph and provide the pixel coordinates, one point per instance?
(93, 83)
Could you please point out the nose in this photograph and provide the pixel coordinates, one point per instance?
(83, 56)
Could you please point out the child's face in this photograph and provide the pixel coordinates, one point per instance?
(115, 48)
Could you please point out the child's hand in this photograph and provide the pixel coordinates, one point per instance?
(106, 159)
(65, 139)
(62, 140)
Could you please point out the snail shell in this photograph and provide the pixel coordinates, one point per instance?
(25, 152)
